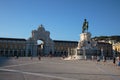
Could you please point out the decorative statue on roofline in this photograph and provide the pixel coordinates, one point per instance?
(85, 26)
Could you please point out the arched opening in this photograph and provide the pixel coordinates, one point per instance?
(44, 43)
(40, 47)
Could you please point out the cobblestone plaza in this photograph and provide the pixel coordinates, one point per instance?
(56, 69)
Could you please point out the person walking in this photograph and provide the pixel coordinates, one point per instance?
(104, 59)
(98, 58)
(114, 60)
(119, 61)
(39, 56)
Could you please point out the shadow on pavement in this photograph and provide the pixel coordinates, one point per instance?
(4, 60)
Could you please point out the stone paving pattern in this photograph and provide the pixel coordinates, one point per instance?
(56, 69)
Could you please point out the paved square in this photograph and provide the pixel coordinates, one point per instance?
(56, 69)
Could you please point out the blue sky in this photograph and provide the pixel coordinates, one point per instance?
(63, 18)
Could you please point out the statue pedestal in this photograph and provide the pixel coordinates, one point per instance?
(85, 36)
(86, 47)
(85, 40)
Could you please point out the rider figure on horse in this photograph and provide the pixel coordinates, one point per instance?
(85, 26)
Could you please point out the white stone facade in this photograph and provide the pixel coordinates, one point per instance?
(85, 36)
(40, 34)
(86, 47)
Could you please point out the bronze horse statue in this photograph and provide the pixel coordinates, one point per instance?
(85, 26)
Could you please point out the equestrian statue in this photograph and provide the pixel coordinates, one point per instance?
(85, 26)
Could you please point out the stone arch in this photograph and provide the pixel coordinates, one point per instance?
(40, 34)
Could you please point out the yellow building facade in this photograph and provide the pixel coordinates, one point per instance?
(116, 48)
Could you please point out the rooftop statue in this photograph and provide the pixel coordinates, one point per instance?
(85, 26)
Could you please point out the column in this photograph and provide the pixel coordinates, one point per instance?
(27, 49)
(34, 50)
(84, 54)
(13, 52)
(0, 53)
(4, 52)
(8, 53)
(21, 52)
(17, 52)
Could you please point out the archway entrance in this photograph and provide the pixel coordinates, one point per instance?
(37, 36)
(40, 48)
